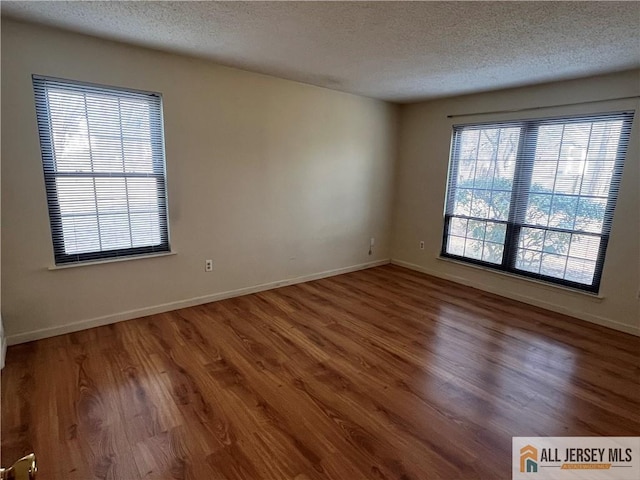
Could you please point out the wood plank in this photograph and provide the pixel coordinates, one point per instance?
(379, 374)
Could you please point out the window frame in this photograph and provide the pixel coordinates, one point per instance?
(522, 183)
(45, 132)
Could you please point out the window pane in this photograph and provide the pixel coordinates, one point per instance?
(139, 156)
(563, 211)
(492, 252)
(462, 201)
(580, 271)
(143, 195)
(590, 214)
(544, 175)
(484, 173)
(80, 234)
(458, 227)
(605, 140)
(111, 194)
(570, 184)
(548, 144)
(69, 131)
(115, 232)
(76, 196)
(556, 201)
(571, 191)
(481, 240)
(104, 169)
(469, 145)
(473, 249)
(555, 193)
(145, 229)
(106, 153)
(538, 209)
(553, 265)
(499, 206)
(530, 245)
(528, 260)
(575, 141)
(136, 121)
(495, 232)
(455, 245)
(597, 178)
(476, 229)
(569, 177)
(532, 239)
(557, 242)
(561, 255)
(585, 247)
(480, 203)
(482, 190)
(507, 150)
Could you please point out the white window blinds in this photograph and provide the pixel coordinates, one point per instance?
(104, 167)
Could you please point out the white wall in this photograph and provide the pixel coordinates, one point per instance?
(420, 190)
(272, 179)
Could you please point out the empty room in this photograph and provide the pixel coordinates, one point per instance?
(320, 240)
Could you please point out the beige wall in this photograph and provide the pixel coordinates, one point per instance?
(422, 172)
(276, 181)
(272, 179)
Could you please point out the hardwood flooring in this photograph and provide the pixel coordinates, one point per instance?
(379, 374)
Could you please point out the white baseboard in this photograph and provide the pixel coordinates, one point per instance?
(603, 321)
(166, 307)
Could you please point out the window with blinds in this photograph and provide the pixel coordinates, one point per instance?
(536, 197)
(104, 169)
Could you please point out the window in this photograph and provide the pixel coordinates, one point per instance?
(536, 198)
(103, 157)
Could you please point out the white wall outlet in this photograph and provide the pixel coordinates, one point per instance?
(421, 244)
(372, 242)
(208, 265)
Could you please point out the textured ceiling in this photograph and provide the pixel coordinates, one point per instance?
(398, 51)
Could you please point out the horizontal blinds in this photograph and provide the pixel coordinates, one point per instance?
(572, 171)
(103, 157)
(480, 190)
(538, 196)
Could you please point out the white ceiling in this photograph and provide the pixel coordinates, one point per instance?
(397, 51)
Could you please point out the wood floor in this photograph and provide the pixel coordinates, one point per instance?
(378, 374)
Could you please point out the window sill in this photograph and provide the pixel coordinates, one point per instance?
(110, 260)
(596, 297)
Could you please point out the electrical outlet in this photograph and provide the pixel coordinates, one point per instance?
(421, 245)
(208, 265)
(372, 242)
